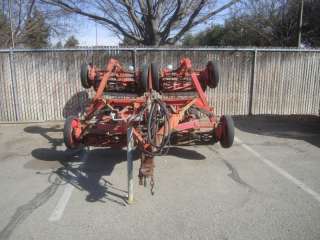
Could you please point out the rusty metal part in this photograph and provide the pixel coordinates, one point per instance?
(152, 116)
(118, 79)
(181, 79)
(106, 120)
(147, 166)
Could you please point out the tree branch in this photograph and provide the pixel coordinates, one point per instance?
(175, 17)
(67, 7)
(132, 15)
(191, 23)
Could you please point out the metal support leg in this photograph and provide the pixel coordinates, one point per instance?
(130, 149)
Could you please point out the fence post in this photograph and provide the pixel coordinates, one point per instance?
(253, 79)
(134, 56)
(13, 82)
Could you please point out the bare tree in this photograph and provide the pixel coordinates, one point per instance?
(147, 22)
(267, 22)
(33, 23)
(21, 13)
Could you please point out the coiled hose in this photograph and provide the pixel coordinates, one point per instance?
(158, 118)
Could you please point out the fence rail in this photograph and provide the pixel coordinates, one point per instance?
(43, 84)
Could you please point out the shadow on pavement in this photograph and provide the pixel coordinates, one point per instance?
(185, 153)
(44, 132)
(305, 128)
(84, 175)
(89, 175)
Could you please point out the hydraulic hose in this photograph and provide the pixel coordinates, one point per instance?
(157, 112)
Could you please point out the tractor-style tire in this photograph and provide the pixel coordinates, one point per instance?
(155, 73)
(213, 75)
(227, 136)
(85, 82)
(144, 78)
(68, 133)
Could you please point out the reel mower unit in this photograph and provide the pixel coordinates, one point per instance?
(155, 117)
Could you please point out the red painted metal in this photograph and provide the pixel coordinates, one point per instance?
(114, 78)
(106, 121)
(181, 79)
(113, 125)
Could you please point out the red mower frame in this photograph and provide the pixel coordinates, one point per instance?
(155, 116)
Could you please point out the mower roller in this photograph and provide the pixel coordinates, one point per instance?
(120, 79)
(156, 117)
(180, 79)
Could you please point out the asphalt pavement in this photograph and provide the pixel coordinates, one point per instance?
(267, 186)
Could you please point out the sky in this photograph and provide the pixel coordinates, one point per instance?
(87, 35)
(85, 31)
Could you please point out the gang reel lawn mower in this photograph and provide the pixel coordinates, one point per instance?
(156, 120)
(180, 79)
(121, 79)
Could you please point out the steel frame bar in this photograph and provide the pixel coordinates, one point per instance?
(131, 107)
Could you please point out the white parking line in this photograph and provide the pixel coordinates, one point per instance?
(64, 199)
(281, 171)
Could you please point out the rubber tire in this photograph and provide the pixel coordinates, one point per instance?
(227, 137)
(84, 76)
(144, 78)
(155, 73)
(214, 77)
(67, 133)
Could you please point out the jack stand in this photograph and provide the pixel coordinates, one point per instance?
(130, 148)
